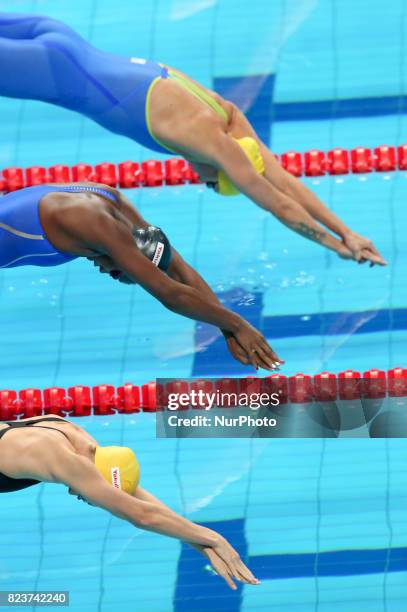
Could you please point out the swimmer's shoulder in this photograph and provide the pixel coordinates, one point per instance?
(65, 210)
(59, 201)
(73, 215)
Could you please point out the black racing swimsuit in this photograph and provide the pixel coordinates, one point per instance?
(8, 484)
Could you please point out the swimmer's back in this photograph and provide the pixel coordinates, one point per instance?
(22, 238)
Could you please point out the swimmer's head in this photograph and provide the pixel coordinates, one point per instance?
(119, 466)
(152, 242)
(207, 174)
(105, 263)
(251, 148)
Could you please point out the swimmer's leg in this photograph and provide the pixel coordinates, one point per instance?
(29, 26)
(25, 72)
(27, 67)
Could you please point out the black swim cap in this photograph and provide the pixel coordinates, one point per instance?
(155, 245)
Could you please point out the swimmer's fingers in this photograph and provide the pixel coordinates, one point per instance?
(363, 256)
(269, 351)
(237, 571)
(241, 572)
(260, 354)
(263, 360)
(227, 578)
(235, 565)
(256, 347)
(237, 352)
(255, 360)
(220, 567)
(224, 573)
(246, 345)
(245, 574)
(376, 259)
(372, 256)
(268, 359)
(363, 248)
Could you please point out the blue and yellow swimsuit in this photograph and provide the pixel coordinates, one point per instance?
(22, 238)
(43, 59)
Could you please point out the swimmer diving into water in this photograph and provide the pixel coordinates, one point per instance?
(163, 109)
(104, 476)
(49, 225)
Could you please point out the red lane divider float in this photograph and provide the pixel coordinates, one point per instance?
(174, 171)
(125, 175)
(81, 400)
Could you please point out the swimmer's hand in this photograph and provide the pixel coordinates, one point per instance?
(255, 347)
(236, 350)
(228, 572)
(362, 250)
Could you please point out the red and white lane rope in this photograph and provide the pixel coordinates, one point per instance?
(174, 171)
(104, 399)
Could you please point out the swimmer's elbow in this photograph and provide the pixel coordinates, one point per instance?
(149, 520)
(249, 180)
(185, 300)
(175, 298)
(143, 516)
(282, 206)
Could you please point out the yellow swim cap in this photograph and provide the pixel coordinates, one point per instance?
(252, 150)
(119, 466)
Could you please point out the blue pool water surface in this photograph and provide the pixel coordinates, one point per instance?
(322, 523)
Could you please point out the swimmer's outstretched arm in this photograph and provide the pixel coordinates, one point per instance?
(82, 477)
(231, 158)
(239, 571)
(59, 464)
(298, 191)
(223, 152)
(216, 148)
(180, 271)
(102, 233)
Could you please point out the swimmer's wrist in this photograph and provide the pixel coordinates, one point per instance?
(347, 235)
(235, 326)
(212, 538)
(343, 232)
(335, 245)
(331, 242)
(204, 537)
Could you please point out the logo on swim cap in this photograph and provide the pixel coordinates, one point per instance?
(116, 482)
(158, 253)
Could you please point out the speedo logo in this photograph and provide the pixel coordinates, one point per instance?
(158, 253)
(115, 473)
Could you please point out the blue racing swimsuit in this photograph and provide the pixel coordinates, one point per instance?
(43, 59)
(22, 239)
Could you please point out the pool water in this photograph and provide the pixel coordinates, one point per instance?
(322, 523)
